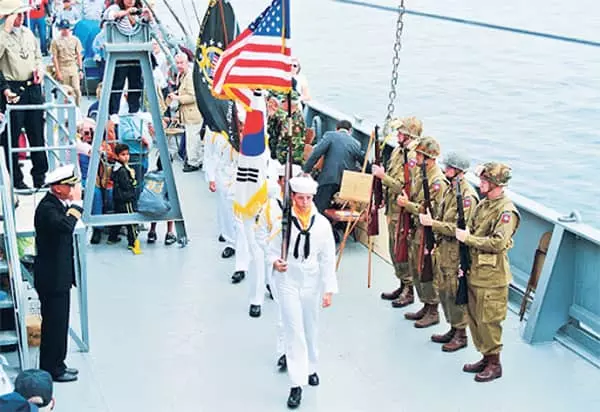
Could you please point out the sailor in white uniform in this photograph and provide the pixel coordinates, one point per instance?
(305, 279)
(220, 165)
(268, 225)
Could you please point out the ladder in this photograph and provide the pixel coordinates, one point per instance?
(10, 265)
(132, 47)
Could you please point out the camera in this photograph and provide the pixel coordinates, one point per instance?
(136, 12)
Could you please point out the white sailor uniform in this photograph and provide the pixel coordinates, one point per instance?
(310, 273)
(220, 165)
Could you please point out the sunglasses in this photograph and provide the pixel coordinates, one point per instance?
(294, 65)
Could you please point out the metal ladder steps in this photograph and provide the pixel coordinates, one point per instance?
(8, 337)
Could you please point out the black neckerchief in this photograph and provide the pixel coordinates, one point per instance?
(306, 234)
(280, 203)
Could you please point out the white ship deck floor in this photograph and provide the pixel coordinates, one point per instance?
(169, 332)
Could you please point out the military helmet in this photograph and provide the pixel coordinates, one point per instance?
(411, 126)
(429, 147)
(457, 161)
(496, 173)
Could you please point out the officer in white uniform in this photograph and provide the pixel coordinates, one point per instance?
(305, 279)
(220, 168)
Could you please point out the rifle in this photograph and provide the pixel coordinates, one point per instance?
(286, 218)
(427, 240)
(376, 193)
(462, 296)
(401, 243)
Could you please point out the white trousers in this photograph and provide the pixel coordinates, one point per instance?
(194, 146)
(225, 219)
(242, 252)
(253, 259)
(300, 313)
(280, 347)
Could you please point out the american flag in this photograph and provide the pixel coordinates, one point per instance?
(259, 58)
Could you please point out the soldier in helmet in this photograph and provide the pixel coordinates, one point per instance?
(489, 235)
(428, 149)
(298, 132)
(408, 130)
(446, 252)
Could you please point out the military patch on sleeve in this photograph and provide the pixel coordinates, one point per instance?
(412, 163)
(506, 217)
(467, 202)
(436, 187)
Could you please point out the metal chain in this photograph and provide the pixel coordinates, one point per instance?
(396, 61)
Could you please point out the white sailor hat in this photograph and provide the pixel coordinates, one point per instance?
(296, 170)
(304, 185)
(63, 175)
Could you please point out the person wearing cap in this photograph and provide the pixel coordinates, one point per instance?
(446, 252)
(428, 150)
(66, 51)
(489, 236)
(36, 386)
(304, 279)
(189, 115)
(22, 67)
(341, 152)
(403, 157)
(68, 12)
(298, 132)
(220, 170)
(55, 218)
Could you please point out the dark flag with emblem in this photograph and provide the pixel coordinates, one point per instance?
(219, 28)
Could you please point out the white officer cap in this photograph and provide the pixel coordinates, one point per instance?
(304, 185)
(63, 175)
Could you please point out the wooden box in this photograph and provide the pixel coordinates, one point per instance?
(356, 186)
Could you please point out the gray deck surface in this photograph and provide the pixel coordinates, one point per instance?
(169, 332)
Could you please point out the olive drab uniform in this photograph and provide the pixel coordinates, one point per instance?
(447, 260)
(492, 227)
(437, 187)
(298, 134)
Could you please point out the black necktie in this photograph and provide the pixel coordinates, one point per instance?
(304, 233)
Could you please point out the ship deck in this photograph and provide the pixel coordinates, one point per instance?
(169, 332)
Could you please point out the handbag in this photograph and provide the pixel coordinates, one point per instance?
(153, 200)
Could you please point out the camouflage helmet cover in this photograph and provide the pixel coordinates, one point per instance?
(457, 161)
(496, 173)
(411, 126)
(429, 147)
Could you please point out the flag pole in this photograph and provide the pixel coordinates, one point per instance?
(287, 200)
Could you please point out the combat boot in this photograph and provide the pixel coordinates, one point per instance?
(477, 366)
(445, 338)
(493, 369)
(416, 315)
(393, 295)
(407, 297)
(459, 341)
(432, 317)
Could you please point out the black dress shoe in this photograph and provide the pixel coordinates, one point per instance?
(188, 168)
(269, 290)
(255, 311)
(96, 236)
(228, 252)
(295, 397)
(72, 371)
(64, 377)
(238, 276)
(21, 186)
(282, 363)
(221, 238)
(313, 380)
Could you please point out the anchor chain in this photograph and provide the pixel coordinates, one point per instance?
(395, 62)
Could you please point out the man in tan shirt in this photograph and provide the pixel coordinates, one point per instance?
(66, 53)
(21, 65)
(189, 115)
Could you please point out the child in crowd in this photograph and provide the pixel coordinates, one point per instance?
(124, 196)
(67, 58)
